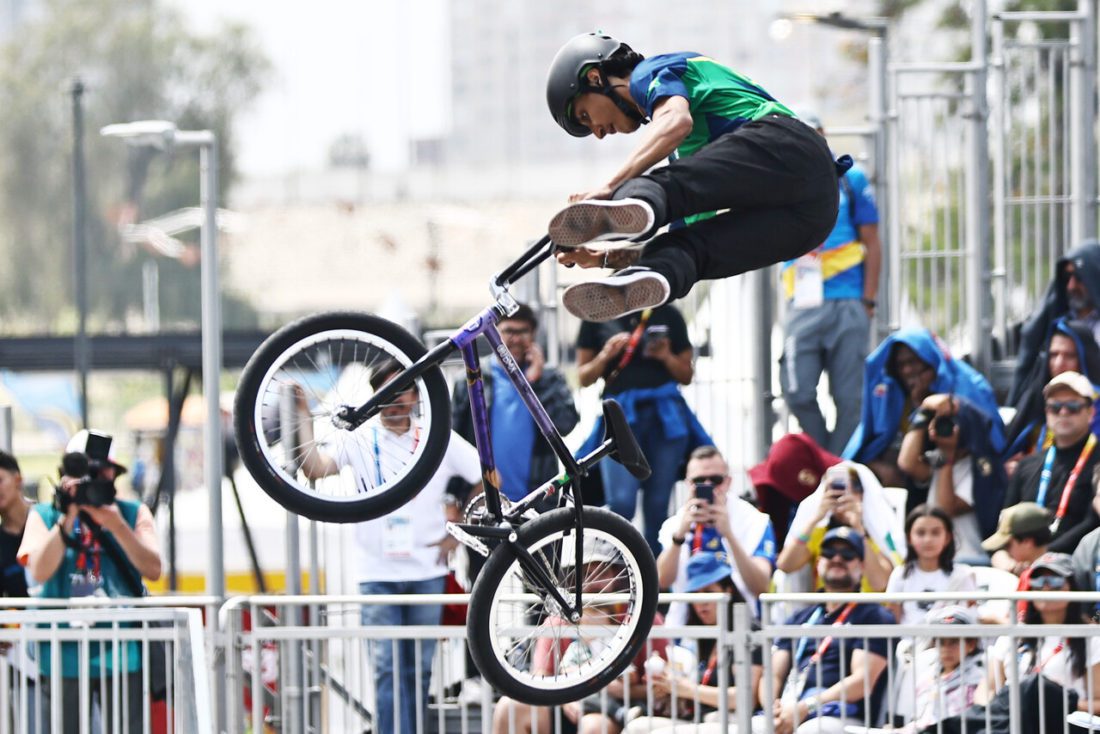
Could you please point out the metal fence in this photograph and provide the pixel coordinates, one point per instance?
(93, 666)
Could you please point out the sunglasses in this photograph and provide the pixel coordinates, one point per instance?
(1073, 406)
(714, 479)
(1048, 583)
(846, 552)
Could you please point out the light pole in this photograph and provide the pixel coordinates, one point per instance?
(164, 136)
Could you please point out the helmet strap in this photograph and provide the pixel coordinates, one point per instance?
(608, 90)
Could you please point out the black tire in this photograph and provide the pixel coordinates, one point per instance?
(503, 654)
(330, 356)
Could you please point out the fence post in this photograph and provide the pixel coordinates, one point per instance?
(877, 58)
(5, 428)
(978, 305)
(1083, 122)
(742, 664)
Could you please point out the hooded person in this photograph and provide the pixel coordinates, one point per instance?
(1074, 291)
(907, 367)
(1027, 430)
(789, 474)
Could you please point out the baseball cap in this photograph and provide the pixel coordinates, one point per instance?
(1060, 564)
(1074, 381)
(90, 444)
(794, 466)
(1026, 518)
(845, 534)
(706, 568)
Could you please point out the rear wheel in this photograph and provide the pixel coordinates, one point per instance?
(522, 642)
(287, 418)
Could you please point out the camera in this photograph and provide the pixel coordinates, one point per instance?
(92, 488)
(943, 426)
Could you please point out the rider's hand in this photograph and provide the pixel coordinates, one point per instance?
(580, 256)
(603, 192)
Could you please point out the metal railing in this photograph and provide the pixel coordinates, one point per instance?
(104, 665)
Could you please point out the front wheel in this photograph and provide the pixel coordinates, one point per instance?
(521, 641)
(289, 430)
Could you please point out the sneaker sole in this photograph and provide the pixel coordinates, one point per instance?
(591, 221)
(600, 302)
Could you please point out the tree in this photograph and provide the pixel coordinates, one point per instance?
(138, 61)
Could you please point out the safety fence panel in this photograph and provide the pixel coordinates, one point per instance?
(101, 669)
(1041, 135)
(318, 669)
(932, 146)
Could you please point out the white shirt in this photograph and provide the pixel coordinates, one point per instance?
(1056, 663)
(399, 546)
(968, 537)
(961, 578)
(939, 695)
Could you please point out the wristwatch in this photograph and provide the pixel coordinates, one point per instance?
(869, 302)
(678, 541)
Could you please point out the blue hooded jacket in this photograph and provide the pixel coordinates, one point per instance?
(884, 397)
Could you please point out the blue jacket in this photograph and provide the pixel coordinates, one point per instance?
(884, 397)
(677, 419)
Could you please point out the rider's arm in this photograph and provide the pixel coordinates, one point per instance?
(670, 125)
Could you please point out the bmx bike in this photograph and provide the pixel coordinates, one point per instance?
(568, 593)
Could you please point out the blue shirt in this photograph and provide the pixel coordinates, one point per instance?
(708, 538)
(842, 253)
(513, 434)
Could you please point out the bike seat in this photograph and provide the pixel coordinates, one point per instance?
(625, 448)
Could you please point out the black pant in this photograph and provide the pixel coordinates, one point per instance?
(777, 178)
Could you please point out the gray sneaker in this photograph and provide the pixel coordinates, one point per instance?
(627, 291)
(597, 220)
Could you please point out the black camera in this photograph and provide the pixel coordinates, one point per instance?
(943, 426)
(92, 488)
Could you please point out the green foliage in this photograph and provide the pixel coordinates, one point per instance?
(137, 61)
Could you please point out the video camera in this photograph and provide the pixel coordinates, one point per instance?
(92, 488)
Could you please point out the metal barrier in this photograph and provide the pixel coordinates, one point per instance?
(332, 688)
(129, 665)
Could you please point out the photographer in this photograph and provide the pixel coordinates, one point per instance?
(948, 444)
(90, 543)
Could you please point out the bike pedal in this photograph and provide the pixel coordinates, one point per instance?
(467, 540)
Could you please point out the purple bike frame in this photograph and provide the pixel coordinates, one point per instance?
(485, 324)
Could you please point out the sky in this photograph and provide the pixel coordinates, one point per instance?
(334, 75)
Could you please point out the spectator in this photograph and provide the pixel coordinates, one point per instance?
(1072, 293)
(1022, 536)
(404, 552)
(930, 563)
(102, 547)
(1071, 348)
(850, 497)
(949, 672)
(1067, 661)
(1086, 566)
(818, 697)
(908, 367)
(14, 509)
(948, 444)
(643, 358)
(831, 293)
(602, 573)
(714, 521)
(789, 474)
(523, 458)
(707, 572)
(1050, 478)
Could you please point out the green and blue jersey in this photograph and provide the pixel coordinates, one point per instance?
(720, 99)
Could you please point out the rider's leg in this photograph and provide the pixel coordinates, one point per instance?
(769, 163)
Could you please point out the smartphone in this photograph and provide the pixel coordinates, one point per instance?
(704, 492)
(653, 334)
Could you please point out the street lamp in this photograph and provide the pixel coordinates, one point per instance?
(163, 135)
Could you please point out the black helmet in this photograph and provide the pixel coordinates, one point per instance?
(565, 79)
